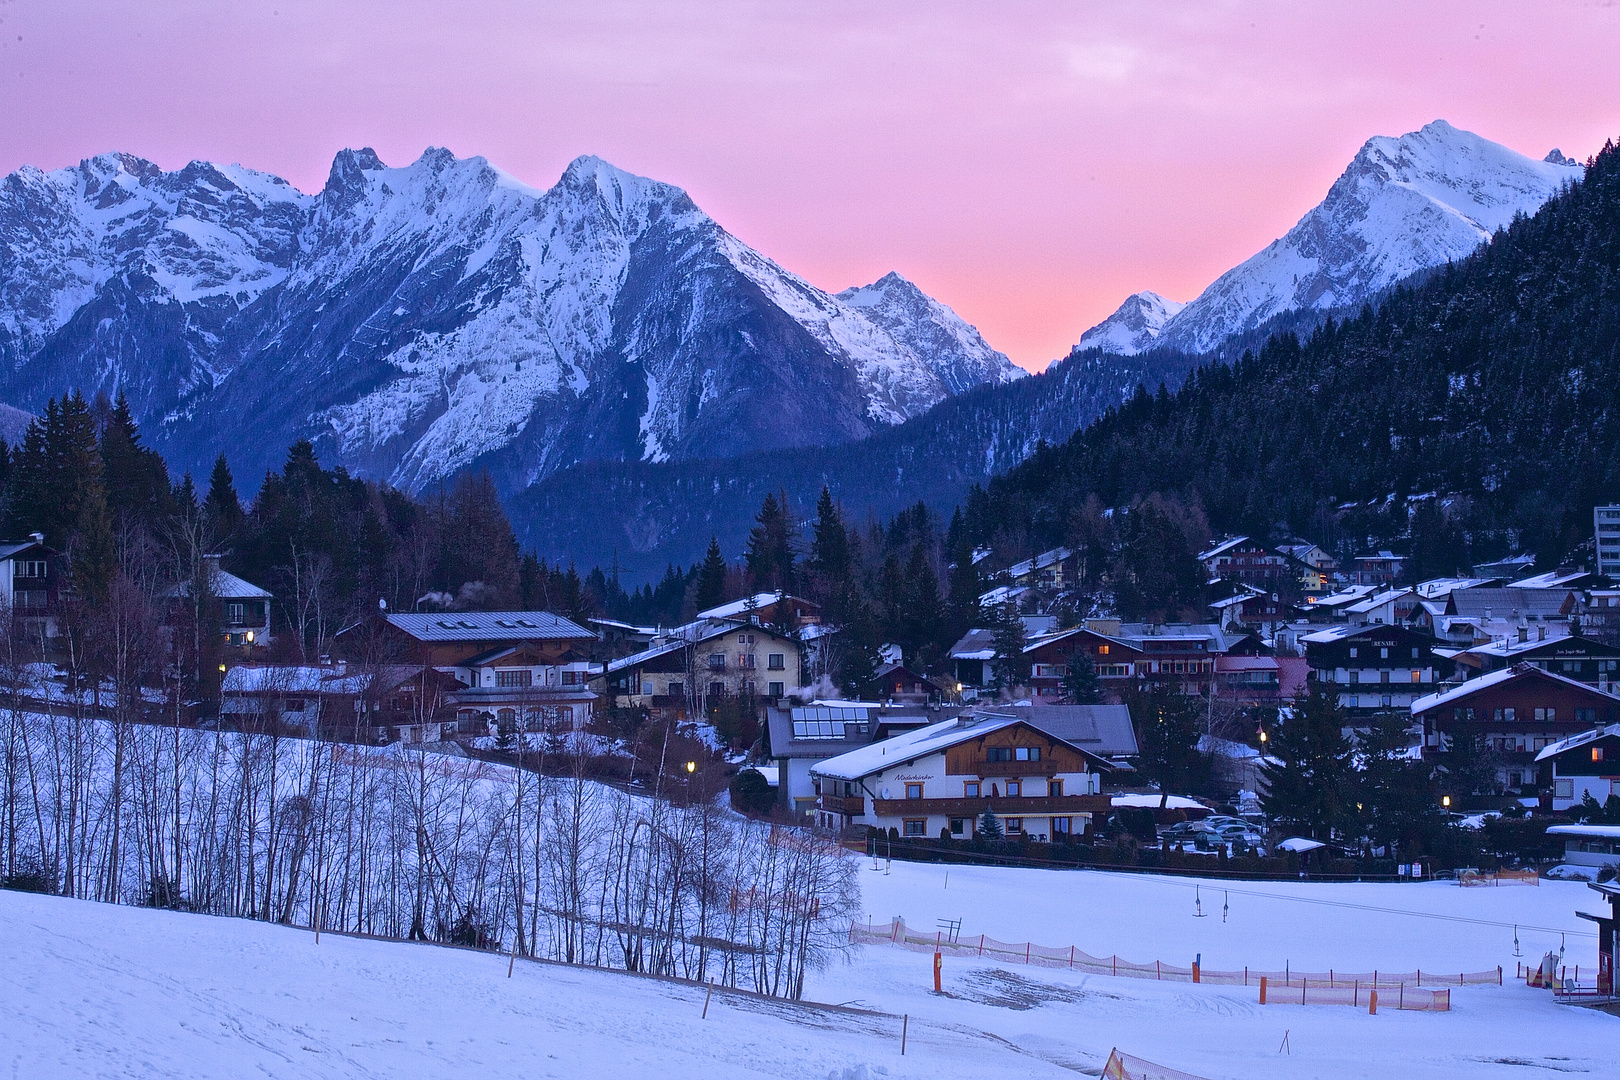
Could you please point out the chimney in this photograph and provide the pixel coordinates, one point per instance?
(1541, 633)
(1524, 633)
(36, 537)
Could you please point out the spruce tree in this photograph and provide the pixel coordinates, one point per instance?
(770, 547)
(1080, 683)
(222, 509)
(1308, 789)
(711, 582)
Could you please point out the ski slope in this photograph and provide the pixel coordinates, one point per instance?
(96, 990)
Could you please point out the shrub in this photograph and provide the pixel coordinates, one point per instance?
(751, 793)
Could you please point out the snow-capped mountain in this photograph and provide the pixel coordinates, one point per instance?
(1133, 327)
(952, 348)
(416, 321)
(1402, 205)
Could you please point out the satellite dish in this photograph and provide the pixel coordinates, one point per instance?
(885, 793)
(382, 605)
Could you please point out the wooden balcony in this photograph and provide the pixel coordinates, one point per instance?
(848, 805)
(988, 769)
(1023, 806)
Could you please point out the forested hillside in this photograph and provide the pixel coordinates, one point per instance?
(645, 515)
(1494, 386)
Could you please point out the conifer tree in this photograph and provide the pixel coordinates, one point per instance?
(1308, 790)
(711, 582)
(1080, 683)
(770, 547)
(222, 509)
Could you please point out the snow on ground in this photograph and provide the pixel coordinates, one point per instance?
(1223, 1032)
(93, 990)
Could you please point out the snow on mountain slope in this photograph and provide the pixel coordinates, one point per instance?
(1133, 327)
(1402, 205)
(105, 241)
(419, 320)
(953, 349)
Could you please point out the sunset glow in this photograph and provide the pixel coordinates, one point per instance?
(1030, 164)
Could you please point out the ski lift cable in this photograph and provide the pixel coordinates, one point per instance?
(1382, 910)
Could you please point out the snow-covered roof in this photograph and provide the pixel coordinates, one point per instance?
(741, 608)
(1512, 647)
(1347, 596)
(224, 585)
(1606, 831)
(291, 679)
(920, 742)
(1554, 579)
(1169, 802)
(975, 645)
(1437, 588)
(1472, 686)
(1377, 600)
(1576, 741)
(487, 626)
(1222, 548)
(1039, 562)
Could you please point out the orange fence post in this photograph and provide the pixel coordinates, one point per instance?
(1372, 1003)
(1195, 972)
(938, 963)
(1262, 989)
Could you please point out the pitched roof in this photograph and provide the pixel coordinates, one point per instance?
(1495, 678)
(1222, 548)
(1576, 741)
(975, 645)
(741, 608)
(1510, 601)
(908, 745)
(1104, 730)
(487, 626)
(1039, 562)
(1552, 580)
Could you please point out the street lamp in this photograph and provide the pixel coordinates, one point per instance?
(1445, 802)
(691, 767)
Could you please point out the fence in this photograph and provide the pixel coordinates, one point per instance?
(1409, 999)
(1125, 1067)
(1354, 984)
(1500, 877)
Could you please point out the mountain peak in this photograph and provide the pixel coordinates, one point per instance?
(1133, 327)
(349, 168)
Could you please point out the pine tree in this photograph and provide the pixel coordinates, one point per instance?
(770, 547)
(135, 479)
(222, 509)
(1167, 726)
(1396, 791)
(711, 582)
(923, 626)
(1080, 683)
(990, 825)
(832, 564)
(1307, 790)
(1008, 668)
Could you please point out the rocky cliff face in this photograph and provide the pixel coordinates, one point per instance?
(421, 320)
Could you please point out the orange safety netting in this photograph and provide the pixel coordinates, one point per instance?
(1354, 984)
(1500, 877)
(1125, 1067)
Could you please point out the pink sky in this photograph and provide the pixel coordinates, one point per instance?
(1030, 164)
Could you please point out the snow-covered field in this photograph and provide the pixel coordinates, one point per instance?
(94, 990)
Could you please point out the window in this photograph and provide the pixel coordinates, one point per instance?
(1383, 654)
(1552, 714)
(1462, 714)
(1054, 788)
(1417, 676)
(677, 689)
(1414, 652)
(1355, 676)
(717, 661)
(970, 789)
(1049, 671)
(30, 568)
(776, 662)
(1012, 789)
(1586, 716)
(506, 716)
(717, 689)
(296, 704)
(1383, 676)
(1597, 753)
(958, 826)
(745, 661)
(1027, 753)
(523, 677)
(745, 639)
(914, 791)
(1015, 825)
(778, 689)
(572, 678)
(915, 827)
(999, 753)
(1352, 652)
(1062, 825)
(236, 613)
(1113, 671)
(1102, 650)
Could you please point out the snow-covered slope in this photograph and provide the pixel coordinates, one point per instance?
(952, 348)
(1403, 205)
(416, 321)
(1133, 327)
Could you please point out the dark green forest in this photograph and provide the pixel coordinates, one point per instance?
(1474, 413)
